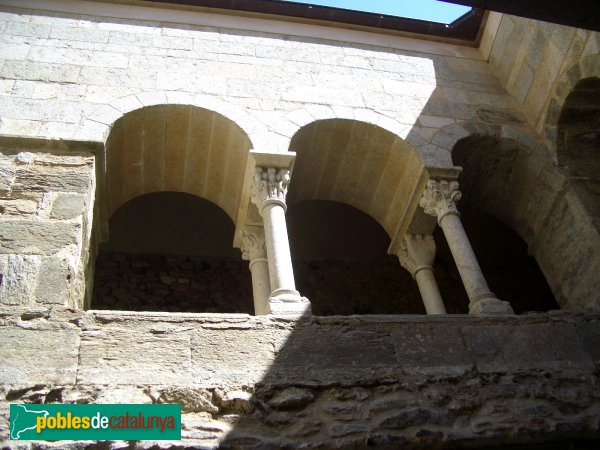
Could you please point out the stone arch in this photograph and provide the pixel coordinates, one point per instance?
(97, 126)
(292, 122)
(358, 164)
(180, 148)
(586, 67)
(578, 132)
(522, 188)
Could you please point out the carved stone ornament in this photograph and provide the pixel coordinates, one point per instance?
(416, 252)
(269, 185)
(440, 198)
(253, 244)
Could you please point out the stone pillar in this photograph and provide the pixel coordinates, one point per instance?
(269, 189)
(439, 200)
(417, 254)
(253, 250)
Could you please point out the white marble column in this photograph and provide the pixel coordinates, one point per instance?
(417, 255)
(439, 200)
(269, 189)
(254, 251)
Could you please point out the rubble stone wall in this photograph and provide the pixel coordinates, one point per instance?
(266, 382)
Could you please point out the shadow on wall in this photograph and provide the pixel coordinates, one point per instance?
(578, 143)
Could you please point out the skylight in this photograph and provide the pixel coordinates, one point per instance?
(430, 10)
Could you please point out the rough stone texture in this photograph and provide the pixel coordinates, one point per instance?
(172, 283)
(44, 223)
(332, 383)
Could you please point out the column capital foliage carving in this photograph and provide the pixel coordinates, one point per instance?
(269, 185)
(440, 198)
(416, 252)
(253, 244)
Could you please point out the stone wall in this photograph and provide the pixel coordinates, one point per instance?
(174, 283)
(267, 382)
(538, 63)
(46, 196)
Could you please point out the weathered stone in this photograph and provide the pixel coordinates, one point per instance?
(237, 402)
(191, 399)
(33, 237)
(589, 333)
(410, 418)
(17, 207)
(37, 356)
(17, 279)
(53, 281)
(7, 176)
(500, 349)
(65, 179)
(428, 346)
(301, 352)
(122, 394)
(292, 398)
(238, 365)
(132, 356)
(67, 206)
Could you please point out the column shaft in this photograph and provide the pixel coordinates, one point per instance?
(430, 293)
(439, 200)
(278, 251)
(466, 262)
(261, 288)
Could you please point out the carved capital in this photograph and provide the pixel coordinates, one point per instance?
(440, 197)
(269, 185)
(417, 252)
(253, 244)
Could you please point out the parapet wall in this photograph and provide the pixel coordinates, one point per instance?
(266, 382)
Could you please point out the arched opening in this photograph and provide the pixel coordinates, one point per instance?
(497, 182)
(578, 143)
(341, 262)
(353, 187)
(512, 274)
(358, 164)
(171, 251)
(171, 189)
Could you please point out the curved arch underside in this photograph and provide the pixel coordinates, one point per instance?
(358, 164)
(578, 142)
(176, 148)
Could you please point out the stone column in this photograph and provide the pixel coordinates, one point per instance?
(417, 254)
(439, 200)
(253, 250)
(269, 189)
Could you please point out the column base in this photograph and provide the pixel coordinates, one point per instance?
(490, 307)
(288, 306)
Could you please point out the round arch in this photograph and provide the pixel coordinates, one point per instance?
(358, 164)
(586, 67)
(578, 137)
(509, 182)
(97, 126)
(180, 148)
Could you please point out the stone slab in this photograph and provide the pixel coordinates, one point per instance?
(134, 356)
(429, 346)
(236, 356)
(38, 354)
(30, 237)
(497, 348)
